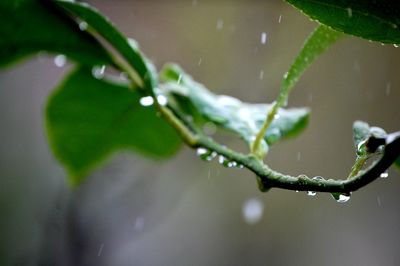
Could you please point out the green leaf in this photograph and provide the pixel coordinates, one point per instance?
(370, 19)
(397, 163)
(88, 119)
(30, 26)
(362, 133)
(230, 113)
(317, 43)
(126, 47)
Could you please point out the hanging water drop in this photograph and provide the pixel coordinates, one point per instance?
(211, 156)
(201, 151)
(311, 193)
(341, 197)
(396, 45)
(384, 175)
(60, 60)
(146, 101)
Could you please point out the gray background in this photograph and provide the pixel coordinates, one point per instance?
(183, 211)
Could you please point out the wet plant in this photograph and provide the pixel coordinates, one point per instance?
(92, 114)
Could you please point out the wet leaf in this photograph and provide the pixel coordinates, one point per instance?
(362, 133)
(88, 119)
(128, 48)
(31, 26)
(317, 43)
(370, 19)
(227, 112)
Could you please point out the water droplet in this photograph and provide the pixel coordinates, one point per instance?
(146, 101)
(384, 175)
(83, 26)
(285, 76)
(396, 45)
(60, 60)
(318, 178)
(201, 151)
(280, 19)
(311, 193)
(162, 100)
(211, 156)
(261, 76)
(232, 164)
(263, 37)
(98, 72)
(341, 197)
(252, 210)
(221, 159)
(220, 24)
(240, 166)
(349, 12)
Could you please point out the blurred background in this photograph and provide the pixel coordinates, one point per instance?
(183, 211)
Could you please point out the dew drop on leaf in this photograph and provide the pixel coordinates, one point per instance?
(98, 72)
(83, 26)
(60, 60)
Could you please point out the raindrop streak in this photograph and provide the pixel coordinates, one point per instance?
(60, 60)
(209, 128)
(252, 211)
(98, 72)
(280, 19)
(384, 175)
(83, 26)
(146, 101)
(100, 250)
(263, 37)
(349, 12)
(220, 24)
(388, 88)
(199, 62)
(298, 156)
(261, 76)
